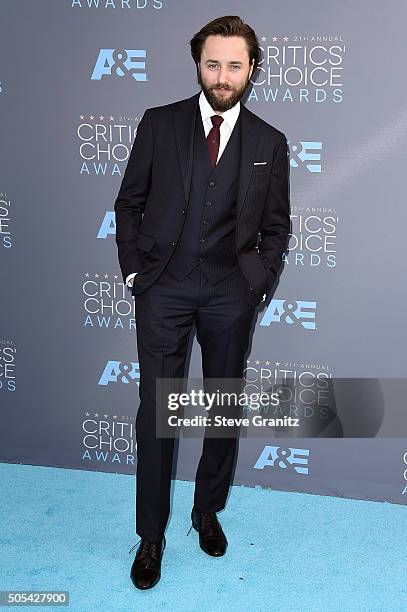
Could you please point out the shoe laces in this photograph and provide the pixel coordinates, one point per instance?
(209, 519)
(152, 549)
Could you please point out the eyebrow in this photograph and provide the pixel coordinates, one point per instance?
(212, 61)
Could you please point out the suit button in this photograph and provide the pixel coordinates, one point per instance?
(173, 244)
(183, 211)
(208, 203)
(202, 240)
(200, 258)
(251, 288)
(212, 184)
(204, 222)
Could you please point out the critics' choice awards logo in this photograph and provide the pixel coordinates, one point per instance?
(300, 68)
(298, 313)
(108, 439)
(105, 143)
(120, 63)
(6, 238)
(313, 238)
(8, 353)
(120, 372)
(107, 302)
(284, 459)
(304, 385)
(118, 4)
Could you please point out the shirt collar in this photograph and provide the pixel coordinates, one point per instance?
(230, 116)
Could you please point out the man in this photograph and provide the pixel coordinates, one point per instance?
(204, 179)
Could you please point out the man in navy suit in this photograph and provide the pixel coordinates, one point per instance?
(202, 222)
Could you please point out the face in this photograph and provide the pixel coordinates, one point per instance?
(224, 70)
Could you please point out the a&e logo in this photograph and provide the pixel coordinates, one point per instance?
(120, 371)
(278, 457)
(120, 63)
(310, 152)
(297, 312)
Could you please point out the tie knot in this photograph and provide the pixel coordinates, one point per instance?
(216, 120)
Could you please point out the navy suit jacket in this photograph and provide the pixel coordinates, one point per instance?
(153, 197)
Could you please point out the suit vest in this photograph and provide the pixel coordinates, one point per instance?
(208, 235)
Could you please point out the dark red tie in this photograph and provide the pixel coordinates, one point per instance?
(213, 138)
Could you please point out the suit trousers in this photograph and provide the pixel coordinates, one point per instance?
(165, 314)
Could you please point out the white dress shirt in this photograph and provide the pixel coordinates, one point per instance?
(229, 120)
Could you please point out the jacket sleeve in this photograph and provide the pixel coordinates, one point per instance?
(132, 197)
(275, 225)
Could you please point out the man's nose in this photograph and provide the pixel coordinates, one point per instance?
(223, 76)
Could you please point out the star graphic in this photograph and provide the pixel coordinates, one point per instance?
(91, 117)
(87, 274)
(82, 116)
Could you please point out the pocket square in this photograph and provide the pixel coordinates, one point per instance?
(259, 163)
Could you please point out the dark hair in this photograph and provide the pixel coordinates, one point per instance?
(229, 25)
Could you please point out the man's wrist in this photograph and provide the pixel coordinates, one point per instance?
(130, 278)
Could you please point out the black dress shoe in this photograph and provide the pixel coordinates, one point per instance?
(146, 569)
(212, 540)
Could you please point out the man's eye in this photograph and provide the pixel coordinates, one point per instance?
(234, 66)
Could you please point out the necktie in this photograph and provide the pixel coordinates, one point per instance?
(213, 138)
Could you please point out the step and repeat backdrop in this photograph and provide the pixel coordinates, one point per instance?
(75, 79)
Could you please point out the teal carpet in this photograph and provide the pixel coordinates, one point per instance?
(72, 530)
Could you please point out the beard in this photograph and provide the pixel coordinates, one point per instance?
(222, 104)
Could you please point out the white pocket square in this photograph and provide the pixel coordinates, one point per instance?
(259, 163)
